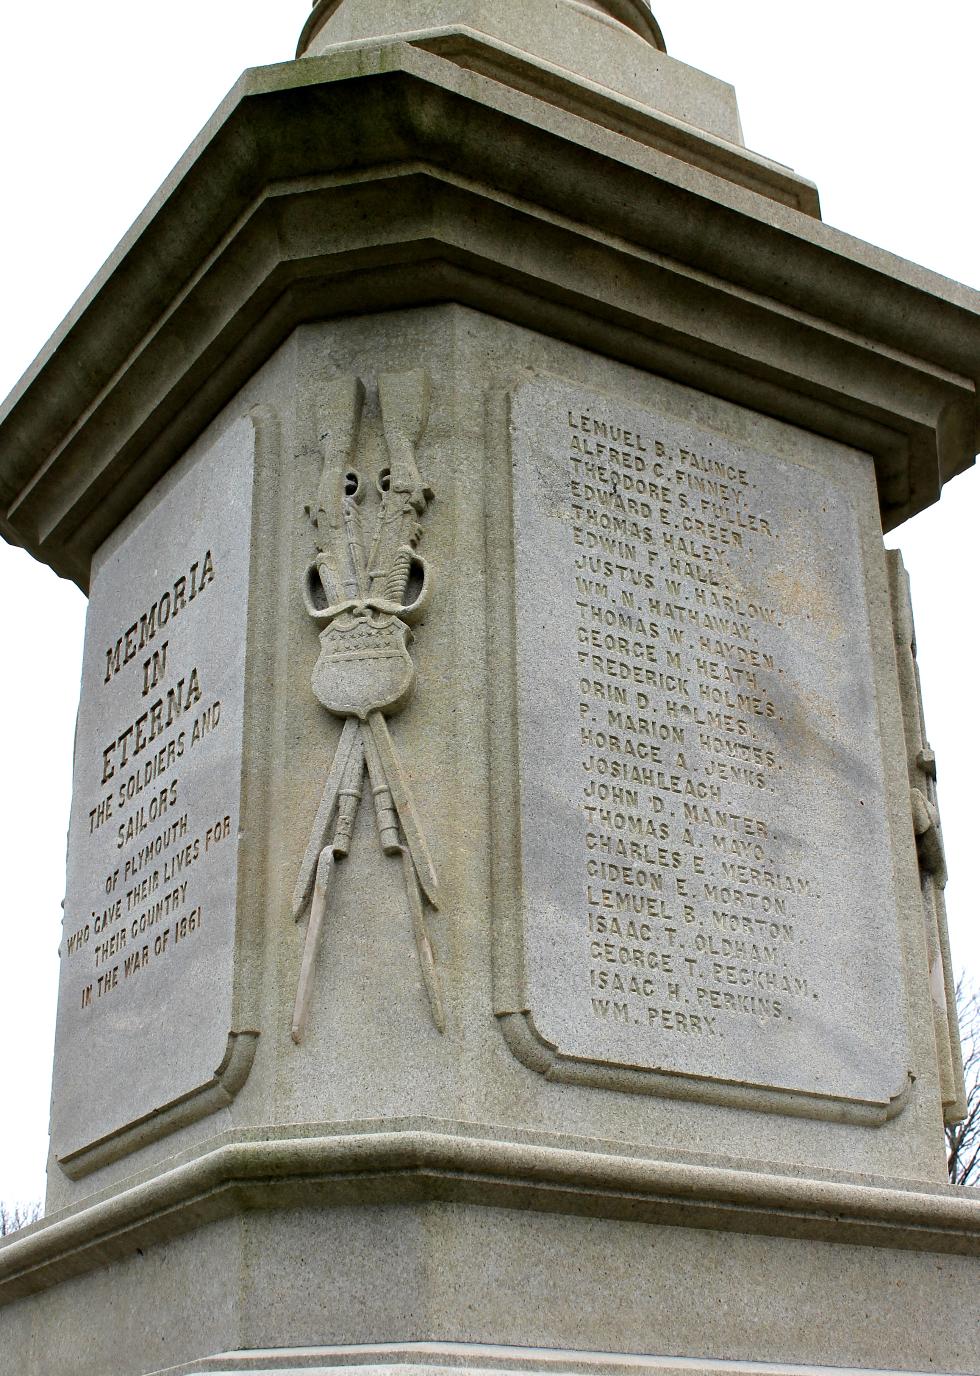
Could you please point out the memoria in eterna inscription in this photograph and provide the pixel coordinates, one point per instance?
(701, 776)
(145, 907)
(147, 953)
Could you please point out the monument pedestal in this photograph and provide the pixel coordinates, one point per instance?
(581, 1262)
(504, 919)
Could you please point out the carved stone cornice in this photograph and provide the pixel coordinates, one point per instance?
(419, 1162)
(326, 186)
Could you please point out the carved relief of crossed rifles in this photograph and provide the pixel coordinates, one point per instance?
(366, 598)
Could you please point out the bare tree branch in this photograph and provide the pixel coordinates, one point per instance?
(963, 1139)
(16, 1216)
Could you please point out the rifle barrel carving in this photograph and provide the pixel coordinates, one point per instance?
(364, 672)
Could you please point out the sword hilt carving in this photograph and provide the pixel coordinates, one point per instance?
(398, 574)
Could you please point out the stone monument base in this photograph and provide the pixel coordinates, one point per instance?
(430, 1251)
(481, 1359)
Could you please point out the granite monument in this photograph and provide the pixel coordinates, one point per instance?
(504, 918)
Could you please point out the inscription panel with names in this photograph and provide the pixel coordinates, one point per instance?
(706, 867)
(148, 947)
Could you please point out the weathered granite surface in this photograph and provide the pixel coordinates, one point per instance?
(457, 745)
(310, 1289)
(375, 1103)
(615, 46)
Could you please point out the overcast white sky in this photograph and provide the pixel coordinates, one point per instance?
(873, 99)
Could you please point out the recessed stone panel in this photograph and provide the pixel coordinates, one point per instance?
(706, 897)
(145, 1032)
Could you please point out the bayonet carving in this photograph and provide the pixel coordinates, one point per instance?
(366, 604)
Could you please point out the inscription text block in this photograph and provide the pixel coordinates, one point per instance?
(705, 859)
(147, 955)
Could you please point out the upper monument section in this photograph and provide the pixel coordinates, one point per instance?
(615, 44)
(630, 14)
(541, 161)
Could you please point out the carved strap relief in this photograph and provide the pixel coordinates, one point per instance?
(366, 597)
(929, 845)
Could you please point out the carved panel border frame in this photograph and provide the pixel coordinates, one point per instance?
(221, 1089)
(510, 976)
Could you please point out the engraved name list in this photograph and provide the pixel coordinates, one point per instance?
(701, 782)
